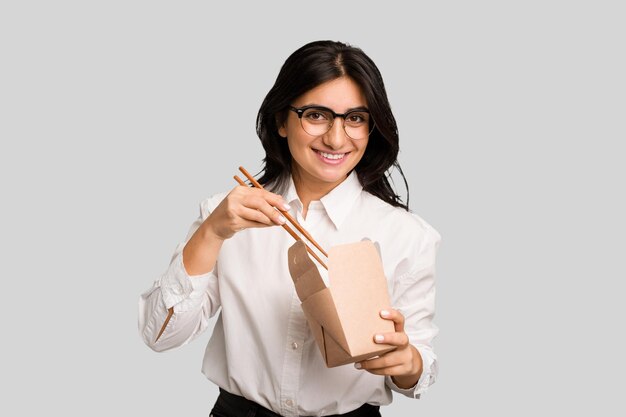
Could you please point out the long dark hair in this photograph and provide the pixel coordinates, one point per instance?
(311, 65)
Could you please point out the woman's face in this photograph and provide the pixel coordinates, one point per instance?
(323, 162)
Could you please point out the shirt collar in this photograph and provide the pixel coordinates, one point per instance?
(291, 196)
(337, 203)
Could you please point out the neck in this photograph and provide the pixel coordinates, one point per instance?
(310, 190)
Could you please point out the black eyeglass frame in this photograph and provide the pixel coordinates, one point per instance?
(300, 112)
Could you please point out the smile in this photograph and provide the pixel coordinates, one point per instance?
(333, 156)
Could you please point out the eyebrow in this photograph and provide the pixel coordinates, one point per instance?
(359, 108)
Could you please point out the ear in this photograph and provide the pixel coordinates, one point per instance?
(282, 130)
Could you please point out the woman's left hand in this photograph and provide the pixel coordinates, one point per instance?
(403, 364)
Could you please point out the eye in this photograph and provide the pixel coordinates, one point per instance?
(357, 118)
(316, 115)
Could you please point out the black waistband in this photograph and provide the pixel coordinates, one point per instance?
(231, 405)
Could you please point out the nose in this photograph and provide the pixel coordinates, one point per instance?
(336, 136)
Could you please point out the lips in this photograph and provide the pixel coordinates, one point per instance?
(333, 156)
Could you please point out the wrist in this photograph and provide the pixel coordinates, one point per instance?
(201, 251)
(209, 233)
(410, 380)
(405, 382)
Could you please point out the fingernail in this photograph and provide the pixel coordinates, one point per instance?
(281, 219)
(384, 313)
(286, 206)
(379, 338)
(357, 365)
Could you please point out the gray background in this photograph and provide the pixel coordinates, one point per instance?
(117, 118)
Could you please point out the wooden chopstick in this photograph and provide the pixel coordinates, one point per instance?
(289, 230)
(286, 214)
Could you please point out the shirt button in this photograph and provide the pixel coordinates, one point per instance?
(294, 345)
(289, 403)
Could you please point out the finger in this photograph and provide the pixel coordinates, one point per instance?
(390, 371)
(254, 218)
(381, 362)
(388, 360)
(272, 214)
(396, 338)
(395, 316)
(260, 204)
(274, 200)
(277, 201)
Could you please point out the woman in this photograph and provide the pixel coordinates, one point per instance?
(330, 138)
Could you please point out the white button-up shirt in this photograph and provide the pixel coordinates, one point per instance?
(262, 347)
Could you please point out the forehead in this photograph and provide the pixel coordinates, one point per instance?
(339, 95)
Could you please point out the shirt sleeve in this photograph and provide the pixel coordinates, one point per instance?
(414, 297)
(194, 299)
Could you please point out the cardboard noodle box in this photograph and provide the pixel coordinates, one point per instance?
(344, 316)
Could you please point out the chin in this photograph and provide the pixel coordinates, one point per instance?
(333, 176)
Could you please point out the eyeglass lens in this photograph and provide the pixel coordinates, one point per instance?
(317, 122)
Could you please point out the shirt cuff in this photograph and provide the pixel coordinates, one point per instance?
(181, 290)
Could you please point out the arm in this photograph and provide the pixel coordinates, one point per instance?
(412, 367)
(178, 306)
(191, 299)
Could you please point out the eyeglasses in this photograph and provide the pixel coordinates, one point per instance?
(317, 120)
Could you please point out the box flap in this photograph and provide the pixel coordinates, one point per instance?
(303, 271)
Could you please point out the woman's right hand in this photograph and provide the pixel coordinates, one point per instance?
(242, 208)
(245, 207)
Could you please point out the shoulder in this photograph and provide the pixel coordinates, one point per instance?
(406, 238)
(399, 221)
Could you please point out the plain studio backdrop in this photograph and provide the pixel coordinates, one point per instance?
(117, 118)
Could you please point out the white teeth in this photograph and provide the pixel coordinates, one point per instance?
(332, 156)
